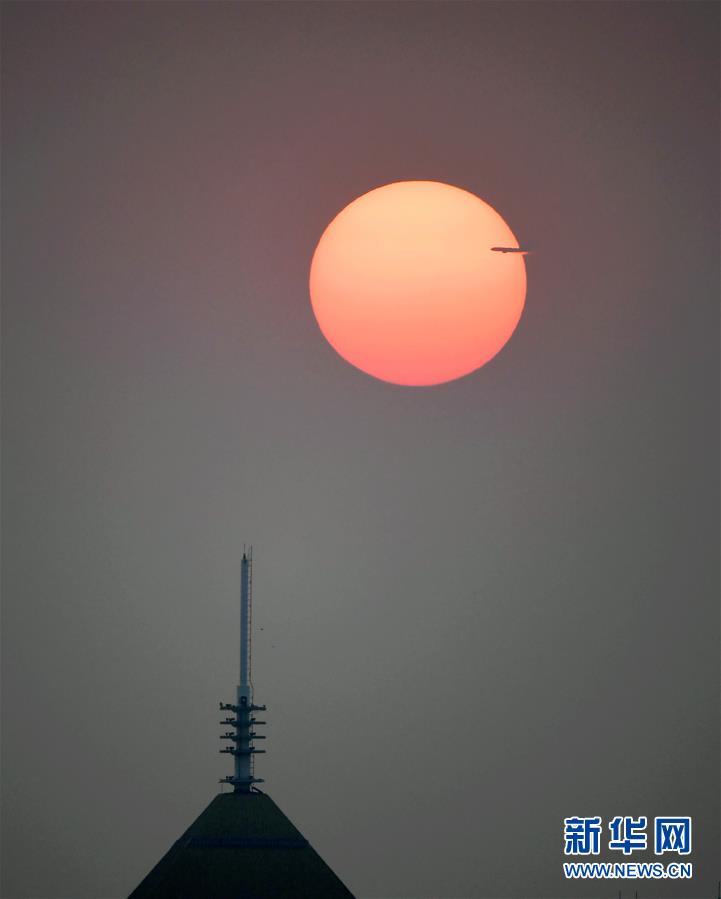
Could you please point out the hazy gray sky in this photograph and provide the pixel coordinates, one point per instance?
(486, 605)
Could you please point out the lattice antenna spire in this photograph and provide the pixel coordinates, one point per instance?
(244, 723)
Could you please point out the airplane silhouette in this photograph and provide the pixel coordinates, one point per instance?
(511, 250)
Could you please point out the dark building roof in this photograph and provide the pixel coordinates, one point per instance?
(241, 847)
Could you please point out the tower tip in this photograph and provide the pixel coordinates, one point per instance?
(243, 749)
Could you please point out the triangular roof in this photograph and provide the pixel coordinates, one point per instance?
(241, 847)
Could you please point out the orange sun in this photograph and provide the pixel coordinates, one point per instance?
(405, 286)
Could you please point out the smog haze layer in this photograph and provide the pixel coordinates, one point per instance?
(478, 608)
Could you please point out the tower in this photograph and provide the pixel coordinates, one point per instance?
(244, 722)
(242, 846)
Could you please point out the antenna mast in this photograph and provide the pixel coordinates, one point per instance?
(244, 723)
